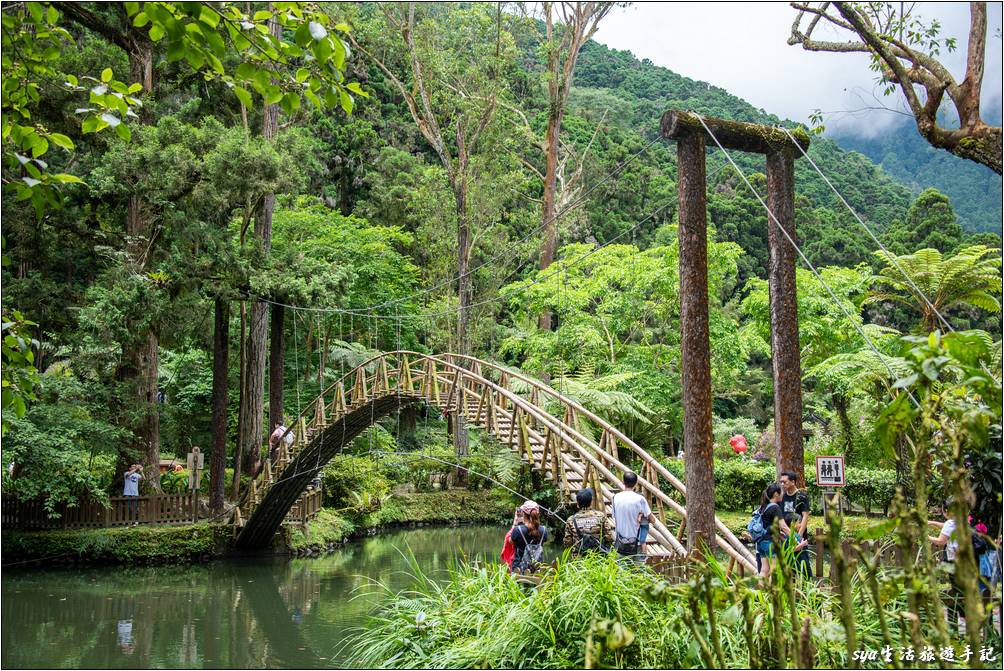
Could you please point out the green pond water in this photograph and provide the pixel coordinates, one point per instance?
(278, 613)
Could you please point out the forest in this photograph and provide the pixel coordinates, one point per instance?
(214, 210)
(162, 220)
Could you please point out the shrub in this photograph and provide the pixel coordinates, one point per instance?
(353, 480)
(739, 483)
(723, 429)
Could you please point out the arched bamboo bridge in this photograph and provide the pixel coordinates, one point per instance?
(546, 429)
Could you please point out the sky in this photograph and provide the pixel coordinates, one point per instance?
(742, 47)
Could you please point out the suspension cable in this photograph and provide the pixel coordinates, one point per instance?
(804, 258)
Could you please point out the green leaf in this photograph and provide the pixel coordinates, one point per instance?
(209, 17)
(322, 50)
(141, 20)
(357, 89)
(246, 71)
(90, 125)
(122, 130)
(175, 51)
(156, 33)
(273, 94)
(67, 178)
(290, 103)
(302, 35)
(39, 147)
(61, 140)
(302, 74)
(346, 101)
(195, 59)
(243, 95)
(106, 75)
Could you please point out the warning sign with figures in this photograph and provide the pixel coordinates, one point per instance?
(830, 471)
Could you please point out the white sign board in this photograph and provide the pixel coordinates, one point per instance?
(830, 472)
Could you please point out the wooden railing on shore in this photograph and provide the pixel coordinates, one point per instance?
(121, 511)
(306, 507)
(125, 511)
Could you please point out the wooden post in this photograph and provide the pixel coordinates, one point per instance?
(785, 348)
(695, 342)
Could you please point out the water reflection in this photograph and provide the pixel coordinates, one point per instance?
(237, 614)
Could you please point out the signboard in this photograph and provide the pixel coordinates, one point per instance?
(830, 471)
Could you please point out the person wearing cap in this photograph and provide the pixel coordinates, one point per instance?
(528, 535)
(587, 529)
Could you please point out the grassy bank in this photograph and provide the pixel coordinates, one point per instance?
(124, 545)
(455, 506)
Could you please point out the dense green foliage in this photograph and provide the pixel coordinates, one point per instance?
(364, 236)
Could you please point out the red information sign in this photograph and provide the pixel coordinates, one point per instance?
(830, 471)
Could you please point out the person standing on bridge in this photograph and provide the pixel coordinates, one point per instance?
(630, 510)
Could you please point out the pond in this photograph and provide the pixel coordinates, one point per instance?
(276, 612)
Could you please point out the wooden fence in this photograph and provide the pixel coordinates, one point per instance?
(306, 507)
(125, 511)
(121, 511)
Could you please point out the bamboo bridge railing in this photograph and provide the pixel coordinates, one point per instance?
(550, 431)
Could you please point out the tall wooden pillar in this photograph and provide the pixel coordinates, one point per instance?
(786, 359)
(695, 343)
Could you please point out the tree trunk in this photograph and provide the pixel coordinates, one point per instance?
(251, 435)
(221, 363)
(235, 488)
(407, 424)
(142, 353)
(147, 429)
(276, 363)
(840, 404)
(549, 245)
(460, 438)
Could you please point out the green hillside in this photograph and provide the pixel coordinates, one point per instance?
(975, 190)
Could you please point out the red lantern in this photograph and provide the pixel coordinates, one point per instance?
(738, 443)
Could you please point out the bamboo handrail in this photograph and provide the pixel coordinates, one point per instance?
(572, 443)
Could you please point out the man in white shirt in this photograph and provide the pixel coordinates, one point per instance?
(630, 508)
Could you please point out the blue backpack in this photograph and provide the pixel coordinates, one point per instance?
(755, 526)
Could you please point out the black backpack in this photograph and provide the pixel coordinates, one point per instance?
(589, 542)
(529, 559)
(979, 544)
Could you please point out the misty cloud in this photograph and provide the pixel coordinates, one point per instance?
(742, 47)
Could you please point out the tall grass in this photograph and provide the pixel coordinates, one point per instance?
(601, 612)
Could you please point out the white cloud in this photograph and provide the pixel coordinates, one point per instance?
(742, 47)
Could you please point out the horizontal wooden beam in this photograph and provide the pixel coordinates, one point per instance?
(738, 135)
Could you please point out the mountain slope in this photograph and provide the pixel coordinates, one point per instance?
(643, 91)
(975, 190)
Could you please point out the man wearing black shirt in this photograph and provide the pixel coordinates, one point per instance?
(795, 505)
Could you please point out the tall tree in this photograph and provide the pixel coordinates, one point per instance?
(579, 21)
(252, 398)
(141, 351)
(903, 50)
(938, 284)
(221, 365)
(442, 88)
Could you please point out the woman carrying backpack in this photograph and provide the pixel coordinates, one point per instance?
(770, 513)
(528, 537)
